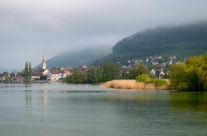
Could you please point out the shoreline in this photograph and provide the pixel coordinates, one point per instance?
(131, 84)
(117, 84)
(36, 81)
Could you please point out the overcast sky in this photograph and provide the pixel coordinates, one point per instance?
(28, 26)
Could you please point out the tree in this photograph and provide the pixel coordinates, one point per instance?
(125, 73)
(82, 77)
(99, 75)
(138, 70)
(28, 72)
(77, 77)
(6, 79)
(111, 71)
(92, 75)
(191, 76)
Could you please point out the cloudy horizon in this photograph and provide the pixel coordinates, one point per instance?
(28, 26)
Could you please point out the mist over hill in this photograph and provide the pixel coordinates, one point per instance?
(183, 40)
(78, 58)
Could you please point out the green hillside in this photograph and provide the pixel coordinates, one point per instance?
(184, 40)
(78, 58)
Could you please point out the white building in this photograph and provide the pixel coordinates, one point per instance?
(152, 72)
(57, 74)
(52, 74)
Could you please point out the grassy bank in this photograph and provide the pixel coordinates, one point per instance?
(131, 84)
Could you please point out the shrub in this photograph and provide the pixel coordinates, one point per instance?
(143, 78)
(158, 82)
(147, 79)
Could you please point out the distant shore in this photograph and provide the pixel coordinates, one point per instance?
(131, 84)
(35, 81)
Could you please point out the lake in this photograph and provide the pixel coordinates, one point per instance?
(87, 110)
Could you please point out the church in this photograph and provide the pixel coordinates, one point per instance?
(54, 74)
(44, 69)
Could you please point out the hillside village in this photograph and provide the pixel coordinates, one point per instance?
(157, 65)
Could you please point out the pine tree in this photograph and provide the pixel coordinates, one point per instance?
(30, 71)
(26, 71)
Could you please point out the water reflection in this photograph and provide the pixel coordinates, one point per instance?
(28, 101)
(195, 101)
(28, 85)
(44, 99)
(49, 111)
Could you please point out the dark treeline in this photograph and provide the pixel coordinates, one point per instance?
(109, 71)
(95, 74)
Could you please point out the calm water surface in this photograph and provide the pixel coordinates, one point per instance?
(86, 110)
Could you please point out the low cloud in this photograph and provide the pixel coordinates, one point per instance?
(28, 26)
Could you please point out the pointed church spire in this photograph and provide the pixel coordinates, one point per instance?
(44, 65)
(43, 59)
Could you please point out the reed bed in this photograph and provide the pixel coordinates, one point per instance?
(131, 84)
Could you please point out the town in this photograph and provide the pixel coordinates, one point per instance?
(54, 74)
(158, 66)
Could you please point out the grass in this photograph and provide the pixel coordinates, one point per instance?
(132, 84)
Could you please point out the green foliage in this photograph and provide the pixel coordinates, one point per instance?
(77, 77)
(111, 71)
(125, 74)
(143, 78)
(28, 72)
(138, 70)
(6, 79)
(159, 82)
(95, 74)
(92, 75)
(191, 75)
(100, 75)
(147, 79)
(44, 77)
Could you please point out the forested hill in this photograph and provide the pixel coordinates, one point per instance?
(184, 40)
(78, 58)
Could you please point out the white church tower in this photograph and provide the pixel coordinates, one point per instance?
(44, 65)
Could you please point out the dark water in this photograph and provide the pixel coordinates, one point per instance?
(84, 110)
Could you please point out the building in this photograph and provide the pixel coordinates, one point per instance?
(4, 77)
(43, 71)
(53, 74)
(13, 76)
(58, 73)
(152, 72)
(44, 64)
(65, 71)
(36, 75)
